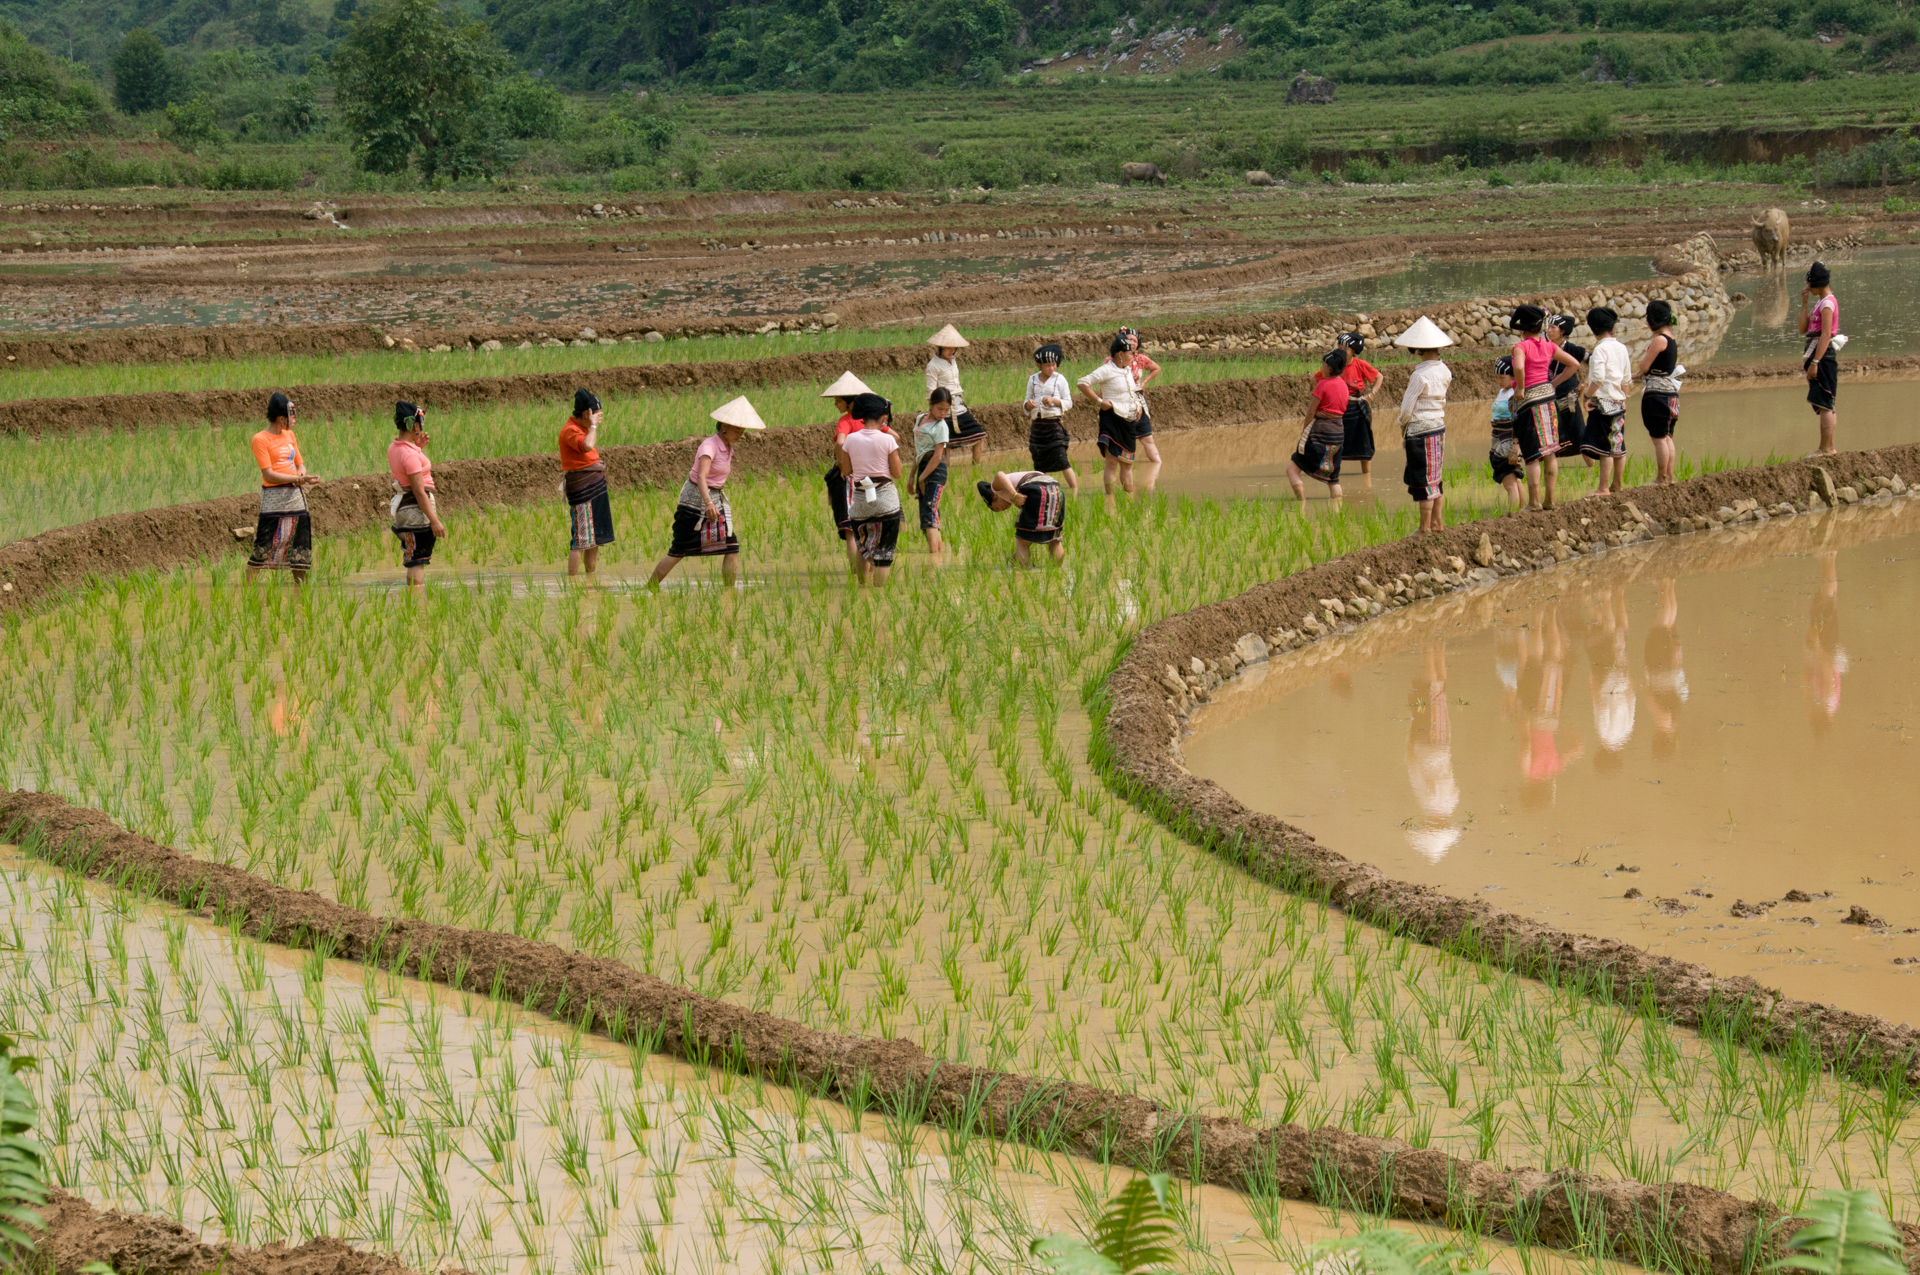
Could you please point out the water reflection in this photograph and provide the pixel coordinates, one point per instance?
(1826, 664)
(1666, 674)
(1542, 690)
(1430, 759)
(1608, 677)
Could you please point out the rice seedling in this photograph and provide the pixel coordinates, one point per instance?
(874, 814)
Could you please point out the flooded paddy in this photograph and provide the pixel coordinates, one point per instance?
(1425, 282)
(1879, 292)
(1695, 746)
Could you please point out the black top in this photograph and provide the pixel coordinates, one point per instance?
(1665, 361)
(1571, 385)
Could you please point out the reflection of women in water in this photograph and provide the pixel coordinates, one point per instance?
(1666, 677)
(1611, 683)
(1430, 760)
(1826, 658)
(1822, 328)
(1543, 678)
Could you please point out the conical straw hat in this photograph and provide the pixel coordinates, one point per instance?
(948, 338)
(739, 412)
(1425, 334)
(846, 387)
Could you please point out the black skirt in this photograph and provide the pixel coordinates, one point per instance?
(837, 498)
(1660, 413)
(966, 430)
(1116, 435)
(1318, 453)
(1357, 425)
(1604, 436)
(1047, 445)
(1504, 458)
(589, 511)
(697, 536)
(1824, 388)
(1536, 426)
(283, 542)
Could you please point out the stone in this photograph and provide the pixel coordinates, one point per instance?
(1726, 513)
(387, 341)
(588, 334)
(1171, 681)
(1823, 484)
(1560, 552)
(653, 337)
(830, 319)
(1847, 496)
(1196, 666)
(490, 344)
(606, 340)
(524, 345)
(1633, 892)
(1858, 915)
(1897, 485)
(243, 533)
(1483, 552)
(1251, 649)
(1456, 565)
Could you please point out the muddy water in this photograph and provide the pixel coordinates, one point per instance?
(1879, 293)
(1747, 424)
(1427, 283)
(1709, 723)
(264, 1094)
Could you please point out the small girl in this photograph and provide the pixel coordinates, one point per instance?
(930, 435)
(1048, 398)
(1362, 379)
(1660, 389)
(1504, 456)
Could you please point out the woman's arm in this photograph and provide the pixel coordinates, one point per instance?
(423, 496)
(935, 458)
(1654, 347)
(1003, 486)
(1826, 333)
(843, 456)
(893, 464)
(1152, 369)
(700, 468)
(1519, 357)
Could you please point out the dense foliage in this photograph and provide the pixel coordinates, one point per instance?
(412, 84)
(36, 96)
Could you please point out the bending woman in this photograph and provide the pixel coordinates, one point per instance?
(703, 516)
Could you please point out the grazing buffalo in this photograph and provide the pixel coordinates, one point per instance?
(1143, 173)
(1259, 177)
(1770, 237)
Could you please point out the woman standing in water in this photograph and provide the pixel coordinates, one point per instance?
(1144, 370)
(584, 480)
(943, 373)
(283, 538)
(1362, 379)
(415, 508)
(1324, 433)
(1536, 416)
(1660, 389)
(703, 516)
(1822, 328)
(842, 392)
(870, 459)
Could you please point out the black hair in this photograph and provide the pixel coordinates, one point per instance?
(941, 394)
(1562, 321)
(405, 414)
(1818, 276)
(1119, 345)
(584, 401)
(870, 407)
(1527, 318)
(1336, 361)
(1659, 314)
(1602, 320)
(985, 489)
(279, 405)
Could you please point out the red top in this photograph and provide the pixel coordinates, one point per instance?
(574, 452)
(1359, 373)
(848, 425)
(1330, 395)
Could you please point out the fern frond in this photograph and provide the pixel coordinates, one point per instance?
(1848, 1234)
(1134, 1231)
(1389, 1252)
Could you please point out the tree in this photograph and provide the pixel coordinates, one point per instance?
(412, 87)
(144, 75)
(529, 107)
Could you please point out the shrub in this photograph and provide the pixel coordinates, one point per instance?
(192, 123)
(530, 108)
(236, 174)
(296, 111)
(145, 76)
(412, 82)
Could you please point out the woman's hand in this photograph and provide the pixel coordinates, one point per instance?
(713, 510)
(1813, 370)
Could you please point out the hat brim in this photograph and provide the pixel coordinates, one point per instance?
(1424, 334)
(738, 413)
(846, 387)
(948, 338)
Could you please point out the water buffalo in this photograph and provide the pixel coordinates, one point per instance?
(1259, 177)
(1143, 173)
(1770, 237)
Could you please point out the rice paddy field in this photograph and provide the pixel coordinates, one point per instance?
(872, 812)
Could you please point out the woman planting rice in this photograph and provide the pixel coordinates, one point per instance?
(1362, 379)
(584, 479)
(1110, 388)
(1144, 370)
(703, 516)
(416, 513)
(842, 392)
(1423, 420)
(930, 465)
(1317, 456)
(283, 537)
(1660, 389)
(1536, 418)
(1048, 398)
(1504, 455)
(1043, 511)
(1609, 371)
(1822, 328)
(943, 373)
(870, 461)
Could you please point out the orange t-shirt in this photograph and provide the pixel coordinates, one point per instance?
(276, 452)
(574, 452)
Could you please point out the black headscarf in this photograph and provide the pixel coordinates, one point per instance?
(870, 407)
(1527, 318)
(1602, 319)
(405, 414)
(277, 406)
(584, 401)
(1049, 354)
(1659, 314)
(1336, 361)
(1818, 276)
(1353, 342)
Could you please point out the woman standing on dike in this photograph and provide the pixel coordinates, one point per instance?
(1822, 328)
(1362, 379)
(943, 373)
(1660, 389)
(415, 508)
(842, 392)
(702, 516)
(1536, 417)
(1566, 382)
(1317, 456)
(1144, 370)
(870, 460)
(584, 479)
(283, 538)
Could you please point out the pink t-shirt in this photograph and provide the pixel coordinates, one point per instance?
(1828, 302)
(405, 459)
(720, 454)
(869, 449)
(1539, 354)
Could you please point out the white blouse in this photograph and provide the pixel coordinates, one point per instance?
(945, 374)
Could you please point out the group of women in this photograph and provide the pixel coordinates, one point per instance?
(1562, 398)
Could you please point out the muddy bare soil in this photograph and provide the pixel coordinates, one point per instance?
(1712, 1230)
(77, 1234)
(1140, 736)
